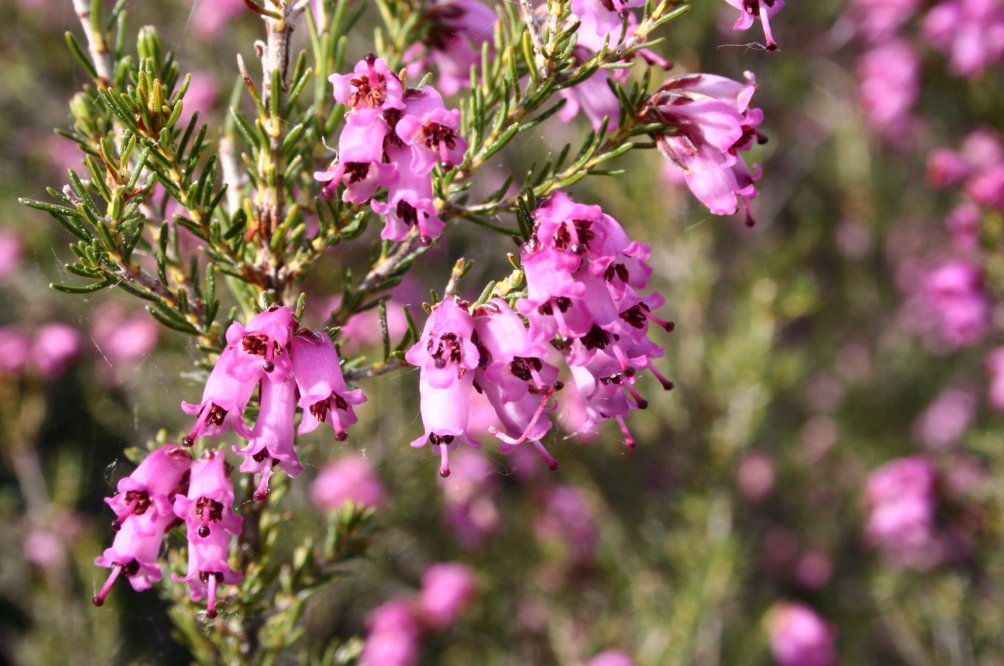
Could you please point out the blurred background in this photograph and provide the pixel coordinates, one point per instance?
(822, 481)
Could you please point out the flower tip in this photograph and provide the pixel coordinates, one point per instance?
(259, 496)
(642, 403)
(552, 465)
(341, 436)
(115, 525)
(425, 241)
(211, 613)
(187, 441)
(670, 326)
(98, 600)
(444, 472)
(558, 385)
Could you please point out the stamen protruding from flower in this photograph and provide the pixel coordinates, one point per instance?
(552, 464)
(640, 401)
(116, 525)
(211, 606)
(425, 241)
(187, 440)
(99, 598)
(444, 465)
(628, 439)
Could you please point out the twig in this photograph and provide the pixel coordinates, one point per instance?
(96, 44)
(376, 369)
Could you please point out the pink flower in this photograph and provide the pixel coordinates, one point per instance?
(889, 77)
(210, 519)
(987, 188)
(54, 348)
(360, 165)
(711, 124)
(153, 484)
(349, 479)
(955, 293)
(201, 94)
(410, 203)
(430, 130)
(371, 85)
(210, 17)
(445, 352)
(995, 365)
(469, 497)
(964, 225)
(971, 32)
(447, 589)
(122, 337)
(611, 658)
(134, 552)
(262, 348)
(223, 401)
(271, 441)
(753, 9)
(452, 42)
(566, 518)
(323, 394)
(592, 96)
(901, 499)
(799, 637)
(394, 635)
(945, 421)
(15, 350)
(11, 252)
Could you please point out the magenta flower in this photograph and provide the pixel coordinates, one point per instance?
(955, 293)
(711, 123)
(210, 18)
(348, 479)
(901, 500)
(360, 165)
(54, 348)
(987, 188)
(210, 520)
(445, 412)
(323, 394)
(878, 20)
(134, 552)
(410, 203)
(153, 484)
(611, 658)
(964, 225)
(592, 97)
(452, 43)
(394, 635)
(120, 336)
(445, 352)
(371, 85)
(750, 10)
(970, 32)
(511, 359)
(889, 76)
(430, 130)
(271, 441)
(263, 347)
(799, 637)
(15, 349)
(447, 589)
(223, 401)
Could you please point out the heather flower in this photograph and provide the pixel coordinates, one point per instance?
(901, 500)
(749, 10)
(15, 349)
(410, 203)
(348, 479)
(271, 441)
(878, 20)
(263, 346)
(447, 589)
(394, 635)
(889, 77)
(945, 421)
(964, 225)
(122, 337)
(371, 85)
(711, 123)
(152, 485)
(445, 352)
(134, 552)
(970, 32)
(456, 29)
(955, 292)
(592, 96)
(323, 394)
(211, 16)
(223, 401)
(799, 637)
(201, 94)
(611, 658)
(54, 348)
(430, 129)
(210, 521)
(987, 188)
(360, 165)
(469, 498)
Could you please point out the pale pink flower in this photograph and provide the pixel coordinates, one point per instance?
(799, 637)
(348, 479)
(447, 589)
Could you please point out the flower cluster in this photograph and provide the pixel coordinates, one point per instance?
(293, 366)
(393, 137)
(708, 122)
(583, 274)
(901, 498)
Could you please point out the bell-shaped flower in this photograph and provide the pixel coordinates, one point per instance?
(445, 352)
(410, 203)
(445, 413)
(134, 552)
(510, 357)
(371, 85)
(360, 164)
(430, 129)
(263, 345)
(155, 482)
(271, 441)
(223, 400)
(323, 394)
(455, 31)
(211, 522)
(749, 10)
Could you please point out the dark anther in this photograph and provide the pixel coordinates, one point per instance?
(116, 525)
(259, 496)
(97, 601)
(203, 531)
(187, 441)
(268, 366)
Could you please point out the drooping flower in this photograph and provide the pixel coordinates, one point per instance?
(134, 552)
(447, 589)
(901, 500)
(410, 203)
(395, 635)
(153, 484)
(710, 122)
(360, 166)
(799, 637)
(430, 129)
(348, 479)
(271, 441)
(371, 85)
(54, 347)
(323, 394)
(211, 522)
(223, 400)
(750, 10)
